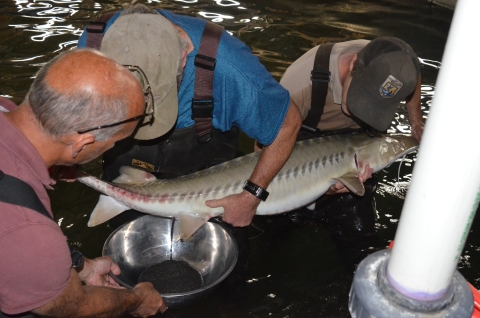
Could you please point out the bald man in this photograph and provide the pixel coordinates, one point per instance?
(79, 105)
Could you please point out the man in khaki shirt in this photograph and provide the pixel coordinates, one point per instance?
(368, 81)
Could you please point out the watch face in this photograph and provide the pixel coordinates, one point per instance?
(77, 258)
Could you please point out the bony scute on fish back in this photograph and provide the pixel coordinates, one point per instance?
(312, 168)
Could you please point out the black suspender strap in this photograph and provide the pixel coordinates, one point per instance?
(205, 61)
(96, 30)
(320, 76)
(18, 192)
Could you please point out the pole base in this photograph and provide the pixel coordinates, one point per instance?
(367, 298)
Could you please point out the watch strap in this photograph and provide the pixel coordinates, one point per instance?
(256, 190)
(77, 259)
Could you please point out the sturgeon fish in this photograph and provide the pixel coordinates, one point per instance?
(312, 168)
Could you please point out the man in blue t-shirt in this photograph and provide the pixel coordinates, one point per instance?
(246, 97)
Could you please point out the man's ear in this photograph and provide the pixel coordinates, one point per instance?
(80, 142)
(352, 62)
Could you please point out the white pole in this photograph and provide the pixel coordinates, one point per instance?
(445, 189)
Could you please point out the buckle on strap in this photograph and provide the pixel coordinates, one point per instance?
(205, 62)
(205, 138)
(320, 76)
(96, 27)
(202, 108)
(309, 129)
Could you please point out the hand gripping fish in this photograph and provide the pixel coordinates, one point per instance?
(312, 168)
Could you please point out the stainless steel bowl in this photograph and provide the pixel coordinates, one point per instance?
(146, 241)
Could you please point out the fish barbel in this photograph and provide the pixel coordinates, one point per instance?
(312, 168)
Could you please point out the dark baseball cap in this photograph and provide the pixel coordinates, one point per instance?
(387, 71)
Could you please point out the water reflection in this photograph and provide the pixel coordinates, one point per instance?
(227, 3)
(215, 17)
(430, 63)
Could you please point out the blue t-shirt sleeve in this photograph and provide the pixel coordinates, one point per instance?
(82, 41)
(253, 100)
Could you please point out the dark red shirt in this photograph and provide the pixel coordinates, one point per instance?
(35, 260)
(6, 104)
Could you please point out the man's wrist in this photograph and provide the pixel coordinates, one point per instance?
(256, 190)
(77, 259)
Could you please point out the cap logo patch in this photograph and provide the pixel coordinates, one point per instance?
(390, 87)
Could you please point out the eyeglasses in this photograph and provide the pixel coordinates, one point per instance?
(149, 104)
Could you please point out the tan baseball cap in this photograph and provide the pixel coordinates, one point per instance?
(149, 41)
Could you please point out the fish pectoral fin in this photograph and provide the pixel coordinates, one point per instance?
(352, 182)
(188, 224)
(106, 209)
(312, 206)
(131, 175)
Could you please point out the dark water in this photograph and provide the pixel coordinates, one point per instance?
(293, 268)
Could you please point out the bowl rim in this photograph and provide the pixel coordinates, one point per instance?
(195, 291)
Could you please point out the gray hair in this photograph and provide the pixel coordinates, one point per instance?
(183, 42)
(62, 114)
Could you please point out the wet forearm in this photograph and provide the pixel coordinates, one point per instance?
(414, 107)
(97, 302)
(415, 113)
(79, 300)
(108, 302)
(275, 155)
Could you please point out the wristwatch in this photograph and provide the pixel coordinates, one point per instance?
(256, 190)
(77, 259)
